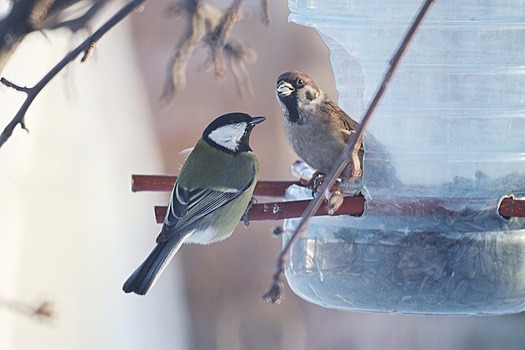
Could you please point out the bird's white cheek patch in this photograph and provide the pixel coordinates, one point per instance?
(228, 136)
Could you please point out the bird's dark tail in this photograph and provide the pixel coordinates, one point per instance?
(147, 273)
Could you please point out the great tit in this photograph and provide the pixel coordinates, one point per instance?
(212, 193)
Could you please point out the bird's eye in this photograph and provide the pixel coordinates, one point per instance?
(299, 82)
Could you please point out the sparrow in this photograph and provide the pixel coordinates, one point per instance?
(317, 129)
(212, 193)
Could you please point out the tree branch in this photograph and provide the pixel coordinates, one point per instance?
(274, 293)
(85, 47)
(14, 86)
(216, 39)
(211, 27)
(27, 16)
(207, 25)
(266, 12)
(14, 27)
(44, 311)
(80, 22)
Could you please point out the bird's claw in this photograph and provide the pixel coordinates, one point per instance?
(316, 181)
(334, 200)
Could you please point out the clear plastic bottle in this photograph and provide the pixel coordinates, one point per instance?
(452, 128)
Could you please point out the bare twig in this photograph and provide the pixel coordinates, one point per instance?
(266, 12)
(27, 16)
(80, 22)
(274, 293)
(216, 39)
(211, 27)
(239, 54)
(14, 86)
(85, 46)
(44, 310)
(14, 27)
(38, 16)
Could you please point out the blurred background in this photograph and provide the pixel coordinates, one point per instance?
(71, 231)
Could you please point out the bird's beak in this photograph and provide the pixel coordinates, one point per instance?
(257, 120)
(284, 88)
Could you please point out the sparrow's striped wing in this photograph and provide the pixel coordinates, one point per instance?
(188, 206)
(348, 127)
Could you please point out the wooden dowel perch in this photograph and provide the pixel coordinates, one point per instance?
(509, 207)
(512, 207)
(287, 210)
(164, 183)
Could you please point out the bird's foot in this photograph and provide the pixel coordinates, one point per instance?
(334, 200)
(315, 182)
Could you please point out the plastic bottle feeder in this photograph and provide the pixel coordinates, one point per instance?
(448, 145)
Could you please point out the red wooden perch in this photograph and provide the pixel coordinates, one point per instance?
(293, 209)
(287, 210)
(164, 183)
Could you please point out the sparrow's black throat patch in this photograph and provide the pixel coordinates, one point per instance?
(291, 105)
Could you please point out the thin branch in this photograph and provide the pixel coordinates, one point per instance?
(14, 86)
(44, 311)
(239, 54)
(274, 293)
(40, 12)
(211, 27)
(217, 38)
(266, 12)
(27, 16)
(85, 47)
(14, 27)
(80, 22)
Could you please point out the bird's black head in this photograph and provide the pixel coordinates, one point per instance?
(295, 90)
(231, 132)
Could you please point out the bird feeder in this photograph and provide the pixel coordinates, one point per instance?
(432, 239)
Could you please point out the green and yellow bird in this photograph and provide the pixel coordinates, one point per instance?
(212, 193)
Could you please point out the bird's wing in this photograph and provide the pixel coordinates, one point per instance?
(342, 123)
(349, 125)
(188, 206)
(349, 128)
(179, 203)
